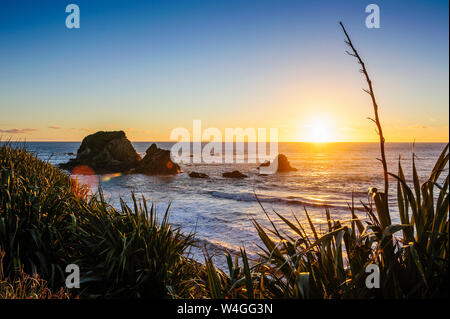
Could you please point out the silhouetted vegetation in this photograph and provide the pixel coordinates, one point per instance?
(48, 221)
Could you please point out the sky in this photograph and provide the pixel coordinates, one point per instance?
(148, 67)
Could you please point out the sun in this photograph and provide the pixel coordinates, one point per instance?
(318, 131)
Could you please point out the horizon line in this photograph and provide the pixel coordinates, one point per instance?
(161, 141)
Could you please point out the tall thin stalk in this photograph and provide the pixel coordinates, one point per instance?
(375, 108)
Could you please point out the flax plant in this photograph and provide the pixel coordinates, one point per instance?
(411, 265)
(48, 221)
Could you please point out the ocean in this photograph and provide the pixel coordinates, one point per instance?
(220, 210)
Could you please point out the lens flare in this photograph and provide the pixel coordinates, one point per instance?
(108, 177)
(84, 175)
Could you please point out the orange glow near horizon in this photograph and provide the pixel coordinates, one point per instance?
(318, 130)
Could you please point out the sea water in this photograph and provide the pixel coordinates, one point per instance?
(220, 210)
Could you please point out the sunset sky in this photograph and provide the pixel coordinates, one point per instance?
(147, 67)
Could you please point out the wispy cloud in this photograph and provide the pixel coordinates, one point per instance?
(54, 127)
(135, 130)
(80, 129)
(19, 131)
(417, 126)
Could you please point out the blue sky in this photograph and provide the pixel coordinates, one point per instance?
(150, 66)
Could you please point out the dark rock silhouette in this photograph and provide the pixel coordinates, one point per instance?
(105, 152)
(234, 174)
(283, 164)
(157, 162)
(112, 152)
(198, 175)
(266, 163)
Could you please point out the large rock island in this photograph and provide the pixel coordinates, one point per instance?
(111, 152)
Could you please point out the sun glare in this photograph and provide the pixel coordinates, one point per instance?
(318, 131)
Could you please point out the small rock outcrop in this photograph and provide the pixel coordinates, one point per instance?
(283, 164)
(234, 174)
(266, 163)
(157, 162)
(198, 175)
(105, 152)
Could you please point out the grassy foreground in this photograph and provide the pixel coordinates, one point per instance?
(48, 221)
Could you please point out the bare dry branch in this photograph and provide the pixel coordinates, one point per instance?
(370, 91)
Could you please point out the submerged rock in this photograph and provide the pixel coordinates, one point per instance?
(234, 174)
(157, 162)
(283, 164)
(105, 152)
(198, 175)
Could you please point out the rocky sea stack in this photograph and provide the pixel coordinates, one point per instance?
(111, 152)
(105, 152)
(283, 164)
(157, 162)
